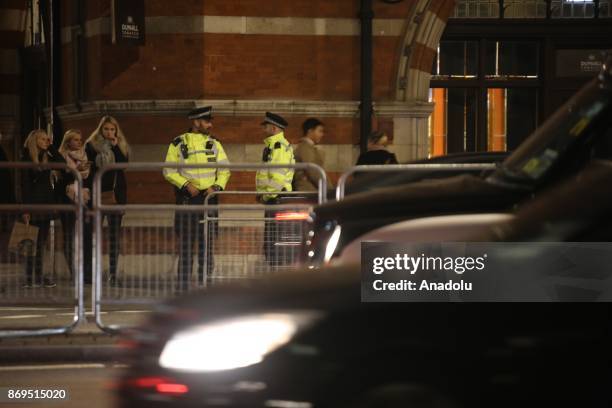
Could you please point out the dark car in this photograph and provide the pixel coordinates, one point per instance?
(556, 150)
(305, 340)
(393, 178)
(290, 224)
(584, 215)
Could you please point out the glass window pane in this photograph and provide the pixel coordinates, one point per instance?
(574, 8)
(476, 9)
(604, 9)
(458, 58)
(452, 126)
(525, 9)
(461, 108)
(511, 117)
(511, 58)
(437, 128)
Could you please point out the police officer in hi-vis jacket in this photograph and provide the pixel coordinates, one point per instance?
(191, 186)
(271, 182)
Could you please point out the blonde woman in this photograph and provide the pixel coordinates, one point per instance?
(107, 145)
(73, 151)
(38, 187)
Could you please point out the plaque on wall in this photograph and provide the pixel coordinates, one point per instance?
(128, 22)
(578, 63)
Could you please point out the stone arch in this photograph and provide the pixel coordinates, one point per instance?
(421, 35)
(418, 49)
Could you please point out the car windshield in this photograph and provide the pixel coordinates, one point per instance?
(551, 141)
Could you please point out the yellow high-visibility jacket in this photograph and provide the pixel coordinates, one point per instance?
(277, 150)
(196, 148)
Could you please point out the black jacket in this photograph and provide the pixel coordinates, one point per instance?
(111, 179)
(377, 157)
(7, 194)
(37, 186)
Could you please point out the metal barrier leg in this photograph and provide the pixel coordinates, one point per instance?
(114, 226)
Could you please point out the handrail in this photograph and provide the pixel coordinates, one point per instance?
(231, 166)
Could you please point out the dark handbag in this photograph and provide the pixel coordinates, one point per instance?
(109, 198)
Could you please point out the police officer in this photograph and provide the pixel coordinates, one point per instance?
(271, 182)
(191, 187)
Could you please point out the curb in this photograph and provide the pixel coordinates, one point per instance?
(47, 354)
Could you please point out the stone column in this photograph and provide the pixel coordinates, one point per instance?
(410, 128)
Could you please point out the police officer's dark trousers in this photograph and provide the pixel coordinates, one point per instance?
(271, 235)
(189, 227)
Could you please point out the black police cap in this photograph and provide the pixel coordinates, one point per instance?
(275, 120)
(204, 112)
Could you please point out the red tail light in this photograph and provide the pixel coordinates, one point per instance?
(172, 389)
(161, 385)
(291, 216)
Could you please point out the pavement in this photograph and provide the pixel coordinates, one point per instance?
(53, 309)
(85, 343)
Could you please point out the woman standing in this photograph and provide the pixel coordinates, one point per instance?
(108, 145)
(73, 151)
(38, 187)
(377, 150)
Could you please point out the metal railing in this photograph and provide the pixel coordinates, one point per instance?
(434, 167)
(21, 300)
(289, 232)
(158, 279)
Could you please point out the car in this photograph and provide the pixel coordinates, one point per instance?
(304, 339)
(393, 178)
(584, 215)
(559, 148)
(290, 224)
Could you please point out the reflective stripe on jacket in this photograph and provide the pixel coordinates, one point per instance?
(196, 148)
(277, 150)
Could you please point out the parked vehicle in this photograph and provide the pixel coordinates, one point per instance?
(292, 224)
(306, 340)
(559, 148)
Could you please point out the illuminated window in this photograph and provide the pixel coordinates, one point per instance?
(524, 9)
(572, 8)
(476, 9)
(532, 9)
(456, 59)
(511, 59)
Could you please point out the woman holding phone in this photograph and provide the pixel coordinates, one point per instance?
(107, 145)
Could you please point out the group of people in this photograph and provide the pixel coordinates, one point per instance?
(107, 144)
(40, 185)
(198, 146)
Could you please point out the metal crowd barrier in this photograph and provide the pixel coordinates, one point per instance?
(287, 230)
(152, 274)
(26, 304)
(340, 189)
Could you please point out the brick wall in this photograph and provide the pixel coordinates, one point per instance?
(302, 50)
(11, 40)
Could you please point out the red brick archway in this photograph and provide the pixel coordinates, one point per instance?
(418, 49)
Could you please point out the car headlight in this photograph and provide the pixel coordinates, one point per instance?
(321, 245)
(232, 343)
(332, 244)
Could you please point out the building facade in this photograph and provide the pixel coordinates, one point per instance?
(298, 58)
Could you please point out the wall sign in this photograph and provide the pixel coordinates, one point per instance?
(128, 21)
(578, 63)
